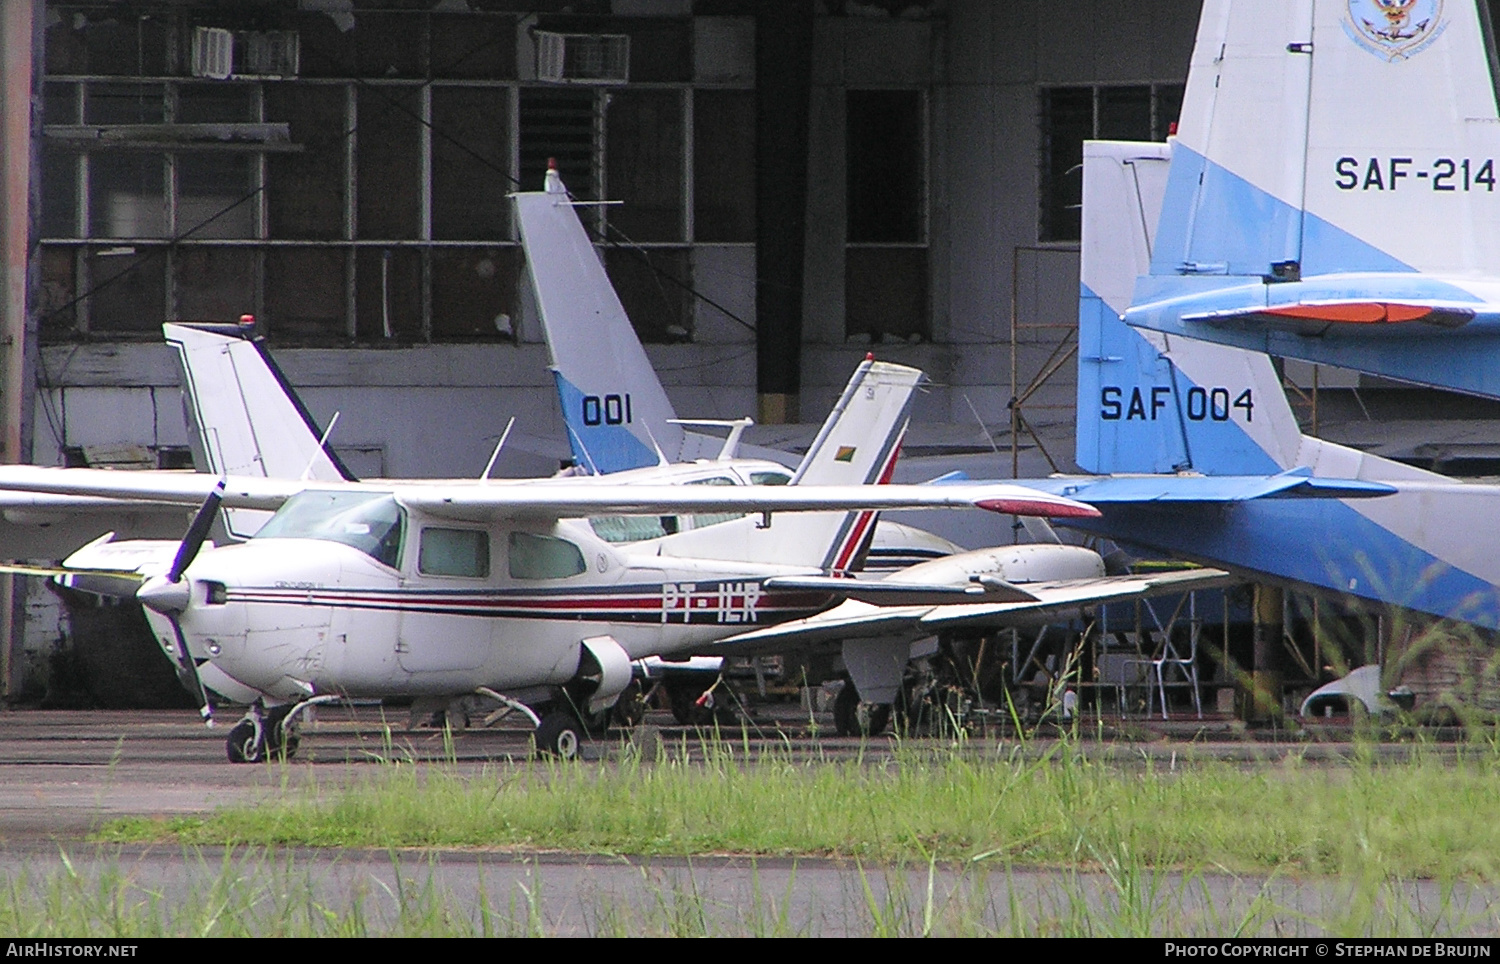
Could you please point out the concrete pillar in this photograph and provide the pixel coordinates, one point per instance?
(1263, 702)
(20, 216)
(783, 82)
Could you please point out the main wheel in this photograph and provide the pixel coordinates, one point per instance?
(245, 744)
(559, 735)
(630, 708)
(854, 717)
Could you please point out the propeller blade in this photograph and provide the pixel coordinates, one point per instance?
(187, 672)
(197, 532)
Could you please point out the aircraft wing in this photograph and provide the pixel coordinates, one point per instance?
(1053, 601)
(543, 499)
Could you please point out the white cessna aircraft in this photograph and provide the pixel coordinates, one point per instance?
(506, 588)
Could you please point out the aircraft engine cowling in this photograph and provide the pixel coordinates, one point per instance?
(603, 672)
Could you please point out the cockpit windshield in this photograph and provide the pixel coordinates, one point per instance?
(371, 522)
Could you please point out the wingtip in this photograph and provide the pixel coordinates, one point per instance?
(1040, 507)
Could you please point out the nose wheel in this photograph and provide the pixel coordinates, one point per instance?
(262, 733)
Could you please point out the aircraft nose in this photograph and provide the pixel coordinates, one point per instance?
(162, 595)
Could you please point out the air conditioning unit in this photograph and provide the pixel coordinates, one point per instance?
(582, 58)
(270, 53)
(213, 53)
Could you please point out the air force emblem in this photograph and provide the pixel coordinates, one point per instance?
(1394, 29)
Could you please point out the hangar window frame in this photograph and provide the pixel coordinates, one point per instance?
(325, 278)
(1069, 114)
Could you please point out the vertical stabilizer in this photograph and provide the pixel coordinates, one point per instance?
(1148, 402)
(244, 418)
(1332, 136)
(857, 445)
(605, 384)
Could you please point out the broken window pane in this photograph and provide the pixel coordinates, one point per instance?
(470, 164)
(643, 148)
(125, 104)
(473, 46)
(59, 194)
(389, 166)
(127, 290)
(215, 103)
(723, 165)
(305, 294)
(389, 44)
(58, 309)
(474, 292)
(305, 190)
(388, 294)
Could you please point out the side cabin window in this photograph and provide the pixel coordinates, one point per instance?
(543, 557)
(454, 552)
(637, 528)
(769, 478)
(713, 518)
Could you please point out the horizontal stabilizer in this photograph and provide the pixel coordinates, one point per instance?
(1317, 318)
(896, 593)
(1293, 484)
(1051, 601)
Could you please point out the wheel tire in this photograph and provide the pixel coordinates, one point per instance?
(559, 735)
(242, 745)
(630, 709)
(684, 696)
(853, 717)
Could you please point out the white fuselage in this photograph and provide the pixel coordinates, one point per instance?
(299, 616)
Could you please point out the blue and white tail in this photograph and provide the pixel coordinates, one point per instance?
(616, 412)
(243, 416)
(1148, 402)
(1332, 136)
(1332, 194)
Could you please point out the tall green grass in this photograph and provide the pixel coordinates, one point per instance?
(1430, 817)
(253, 892)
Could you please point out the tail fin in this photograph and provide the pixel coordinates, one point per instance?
(243, 416)
(1330, 136)
(616, 412)
(1149, 402)
(857, 445)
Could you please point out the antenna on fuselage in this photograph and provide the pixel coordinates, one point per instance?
(661, 457)
(498, 446)
(593, 469)
(322, 443)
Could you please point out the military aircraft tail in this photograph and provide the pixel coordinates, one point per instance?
(1150, 402)
(1333, 189)
(1333, 136)
(616, 412)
